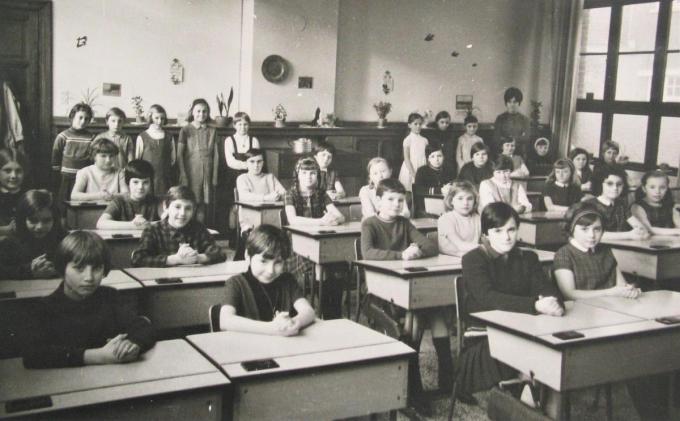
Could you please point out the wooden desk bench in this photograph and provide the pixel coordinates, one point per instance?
(333, 369)
(170, 381)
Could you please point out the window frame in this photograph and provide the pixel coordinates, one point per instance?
(655, 108)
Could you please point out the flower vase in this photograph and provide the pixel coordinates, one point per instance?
(279, 123)
(381, 123)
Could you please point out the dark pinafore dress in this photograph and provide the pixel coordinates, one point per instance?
(227, 182)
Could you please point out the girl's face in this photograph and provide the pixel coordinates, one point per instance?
(612, 187)
(463, 202)
(180, 212)
(80, 120)
(379, 172)
(610, 155)
(443, 123)
(242, 127)
(139, 188)
(200, 113)
(40, 223)
(307, 179)
(588, 236)
(114, 123)
(655, 189)
(509, 148)
(502, 176)
(324, 159)
(415, 126)
(436, 159)
(503, 239)
(562, 175)
(255, 165)
(580, 161)
(479, 158)
(265, 269)
(542, 150)
(11, 176)
(157, 119)
(471, 129)
(104, 161)
(512, 106)
(82, 281)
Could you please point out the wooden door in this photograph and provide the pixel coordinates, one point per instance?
(26, 65)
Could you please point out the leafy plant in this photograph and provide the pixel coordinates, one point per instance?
(90, 97)
(536, 113)
(137, 105)
(225, 106)
(382, 108)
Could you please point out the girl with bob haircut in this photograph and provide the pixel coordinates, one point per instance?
(654, 206)
(81, 322)
(582, 172)
(12, 173)
(559, 191)
(459, 228)
(500, 276)
(378, 169)
(29, 252)
(501, 187)
(479, 168)
(585, 268)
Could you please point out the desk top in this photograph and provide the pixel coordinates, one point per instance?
(201, 273)
(537, 217)
(127, 234)
(352, 228)
(86, 203)
(657, 244)
(170, 366)
(578, 316)
(33, 288)
(531, 177)
(260, 205)
(346, 201)
(435, 265)
(337, 337)
(650, 305)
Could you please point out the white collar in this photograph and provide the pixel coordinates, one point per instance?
(558, 184)
(578, 246)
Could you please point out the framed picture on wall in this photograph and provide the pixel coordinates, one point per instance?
(463, 102)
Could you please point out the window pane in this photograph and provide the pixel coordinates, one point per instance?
(634, 80)
(669, 141)
(591, 76)
(674, 37)
(671, 86)
(638, 27)
(595, 30)
(586, 133)
(631, 133)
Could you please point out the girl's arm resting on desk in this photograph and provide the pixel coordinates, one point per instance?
(449, 241)
(523, 199)
(147, 253)
(293, 219)
(335, 214)
(138, 329)
(565, 281)
(106, 222)
(230, 321)
(369, 251)
(79, 188)
(339, 190)
(305, 313)
(427, 246)
(551, 207)
(639, 213)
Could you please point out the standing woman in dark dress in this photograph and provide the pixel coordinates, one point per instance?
(232, 164)
(500, 276)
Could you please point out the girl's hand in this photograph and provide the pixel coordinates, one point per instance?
(107, 353)
(185, 250)
(626, 291)
(411, 252)
(139, 221)
(640, 233)
(549, 306)
(176, 259)
(107, 195)
(271, 197)
(520, 208)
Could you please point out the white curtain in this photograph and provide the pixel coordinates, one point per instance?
(566, 25)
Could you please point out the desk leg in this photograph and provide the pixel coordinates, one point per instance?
(319, 275)
(562, 406)
(673, 412)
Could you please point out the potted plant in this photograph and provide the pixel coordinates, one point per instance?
(139, 110)
(382, 108)
(223, 120)
(279, 116)
(535, 118)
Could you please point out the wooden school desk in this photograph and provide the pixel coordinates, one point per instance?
(533, 183)
(122, 243)
(260, 212)
(180, 296)
(84, 214)
(333, 369)
(344, 204)
(542, 228)
(434, 204)
(333, 244)
(172, 381)
(36, 288)
(657, 258)
(565, 365)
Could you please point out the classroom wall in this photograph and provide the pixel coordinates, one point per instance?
(133, 42)
(305, 34)
(510, 43)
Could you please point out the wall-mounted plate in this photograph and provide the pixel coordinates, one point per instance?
(275, 69)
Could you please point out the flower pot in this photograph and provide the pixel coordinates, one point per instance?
(279, 123)
(381, 123)
(222, 121)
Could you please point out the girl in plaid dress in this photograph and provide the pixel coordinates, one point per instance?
(306, 203)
